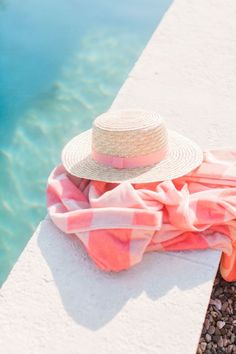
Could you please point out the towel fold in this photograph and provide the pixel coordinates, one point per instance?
(118, 223)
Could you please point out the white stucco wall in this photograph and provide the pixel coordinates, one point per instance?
(55, 300)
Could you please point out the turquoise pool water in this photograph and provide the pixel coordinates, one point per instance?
(61, 64)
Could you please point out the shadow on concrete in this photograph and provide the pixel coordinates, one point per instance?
(93, 297)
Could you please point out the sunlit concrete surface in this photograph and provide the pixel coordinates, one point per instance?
(55, 299)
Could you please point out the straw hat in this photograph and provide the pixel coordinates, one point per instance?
(130, 145)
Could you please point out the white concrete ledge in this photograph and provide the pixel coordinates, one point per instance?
(55, 299)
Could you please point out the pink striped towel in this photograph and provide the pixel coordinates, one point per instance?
(118, 223)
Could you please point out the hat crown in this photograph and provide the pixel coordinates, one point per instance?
(130, 145)
(129, 133)
(127, 120)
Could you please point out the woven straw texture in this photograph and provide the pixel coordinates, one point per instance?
(128, 119)
(183, 156)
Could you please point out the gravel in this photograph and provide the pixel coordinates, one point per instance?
(219, 328)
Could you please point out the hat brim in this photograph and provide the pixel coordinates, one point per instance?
(183, 156)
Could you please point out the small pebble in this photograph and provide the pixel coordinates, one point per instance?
(214, 314)
(225, 342)
(220, 324)
(223, 330)
(224, 306)
(211, 330)
(208, 337)
(230, 349)
(203, 346)
(216, 303)
(220, 342)
(228, 326)
(233, 338)
(207, 324)
(216, 337)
